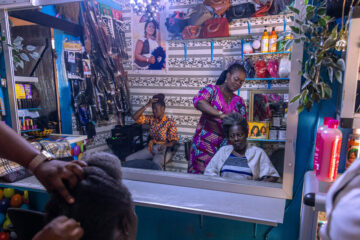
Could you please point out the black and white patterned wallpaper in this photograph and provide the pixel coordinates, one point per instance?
(183, 79)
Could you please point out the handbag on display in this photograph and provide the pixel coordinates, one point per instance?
(273, 68)
(191, 32)
(219, 6)
(243, 10)
(216, 27)
(261, 69)
(176, 22)
(263, 9)
(198, 15)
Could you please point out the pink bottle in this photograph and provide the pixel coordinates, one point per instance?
(317, 144)
(329, 152)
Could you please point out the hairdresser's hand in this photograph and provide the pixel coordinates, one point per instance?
(61, 228)
(52, 173)
(151, 101)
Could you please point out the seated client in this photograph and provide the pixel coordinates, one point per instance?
(163, 131)
(103, 206)
(237, 161)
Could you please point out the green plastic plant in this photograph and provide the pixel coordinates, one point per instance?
(22, 54)
(322, 42)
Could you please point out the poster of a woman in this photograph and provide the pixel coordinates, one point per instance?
(149, 49)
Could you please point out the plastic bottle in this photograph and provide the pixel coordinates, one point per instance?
(353, 147)
(330, 145)
(317, 144)
(288, 37)
(272, 41)
(265, 42)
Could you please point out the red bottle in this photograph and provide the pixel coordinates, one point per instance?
(329, 152)
(317, 144)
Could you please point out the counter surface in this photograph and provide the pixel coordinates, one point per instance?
(247, 208)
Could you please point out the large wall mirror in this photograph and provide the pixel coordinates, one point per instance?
(181, 78)
(271, 119)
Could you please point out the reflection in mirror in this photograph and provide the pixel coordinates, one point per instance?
(248, 151)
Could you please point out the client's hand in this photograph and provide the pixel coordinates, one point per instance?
(152, 60)
(61, 228)
(51, 174)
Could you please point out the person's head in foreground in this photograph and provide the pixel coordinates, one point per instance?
(103, 205)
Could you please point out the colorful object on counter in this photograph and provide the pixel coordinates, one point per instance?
(353, 147)
(77, 149)
(329, 152)
(260, 69)
(16, 200)
(265, 42)
(273, 68)
(9, 192)
(7, 223)
(26, 196)
(4, 236)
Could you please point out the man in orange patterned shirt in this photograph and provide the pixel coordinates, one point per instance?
(163, 132)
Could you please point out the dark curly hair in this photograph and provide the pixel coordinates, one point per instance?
(161, 99)
(234, 119)
(102, 203)
(234, 67)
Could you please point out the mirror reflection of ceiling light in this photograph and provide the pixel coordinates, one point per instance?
(148, 8)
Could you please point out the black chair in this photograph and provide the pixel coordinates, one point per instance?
(277, 159)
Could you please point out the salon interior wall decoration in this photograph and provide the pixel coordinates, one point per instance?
(186, 75)
(148, 42)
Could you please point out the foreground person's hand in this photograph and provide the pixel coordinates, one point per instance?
(61, 228)
(52, 173)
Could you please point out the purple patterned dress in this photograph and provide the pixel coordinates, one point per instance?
(209, 135)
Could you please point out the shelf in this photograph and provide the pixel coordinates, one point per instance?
(29, 109)
(21, 79)
(32, 130)
(265, 140)
(265, 79)
(238, 37)
(269, 53)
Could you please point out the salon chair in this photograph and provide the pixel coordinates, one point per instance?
(277, 159)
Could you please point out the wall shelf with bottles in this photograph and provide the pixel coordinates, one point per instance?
(268, 53)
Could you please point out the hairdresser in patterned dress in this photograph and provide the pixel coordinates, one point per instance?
(215, 102)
